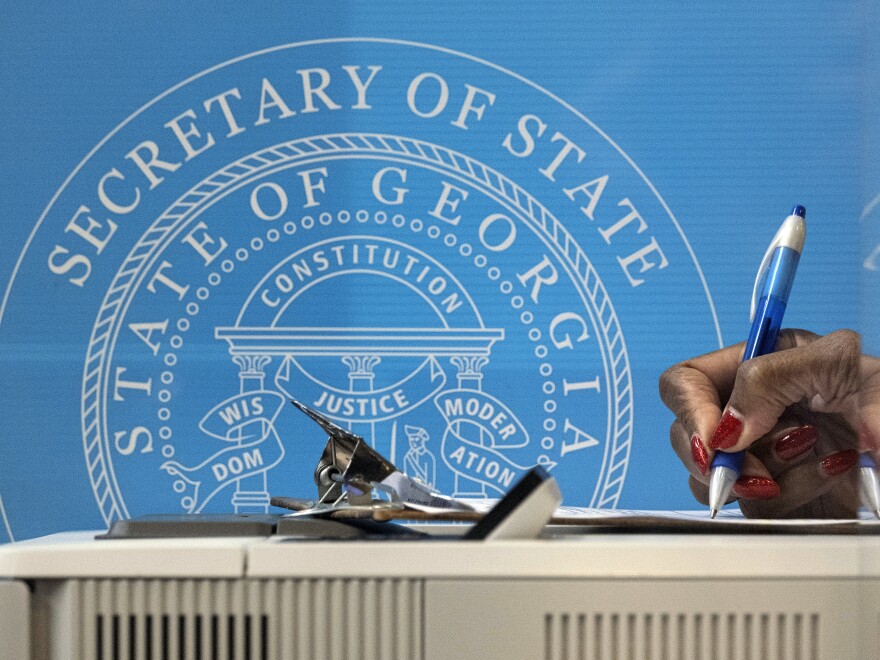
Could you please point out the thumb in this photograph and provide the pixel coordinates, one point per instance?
(824, 372)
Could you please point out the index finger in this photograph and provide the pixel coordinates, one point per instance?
(694, 389)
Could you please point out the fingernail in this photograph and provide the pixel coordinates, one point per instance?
(796, 443)
(755, 488)
(729, 429)
(699, 454)
(839, 462)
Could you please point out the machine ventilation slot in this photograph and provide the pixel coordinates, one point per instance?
(111, 643)
(320, 619)
(681, 636)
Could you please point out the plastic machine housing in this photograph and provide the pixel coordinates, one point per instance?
(574, 595)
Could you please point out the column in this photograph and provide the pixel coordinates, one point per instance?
(470, 377)
(360, 379)
(251, 493)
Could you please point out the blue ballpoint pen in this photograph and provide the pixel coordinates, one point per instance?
(774, 280)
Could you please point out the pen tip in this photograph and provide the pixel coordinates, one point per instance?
(713, 513)
(877, 512)
(800, 211)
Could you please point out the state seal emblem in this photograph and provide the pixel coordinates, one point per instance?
(421, 245)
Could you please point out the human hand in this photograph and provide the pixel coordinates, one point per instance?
(796, 411)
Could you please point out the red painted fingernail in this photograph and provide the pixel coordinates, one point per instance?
(796, 443)
(839, 462)
(729, 429)
(755, 488)
(699, 454)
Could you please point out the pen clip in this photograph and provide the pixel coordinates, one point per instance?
(759, 280)
(777, 241)
(790, 235)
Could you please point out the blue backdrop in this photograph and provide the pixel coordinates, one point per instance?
(474, 233)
